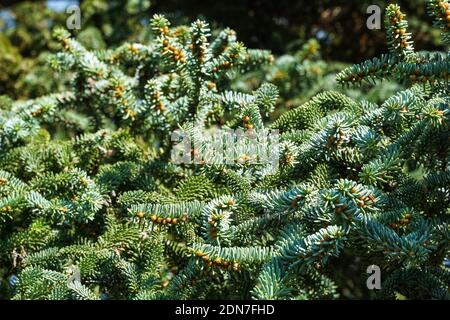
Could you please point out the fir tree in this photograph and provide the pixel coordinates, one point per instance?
(92, 207)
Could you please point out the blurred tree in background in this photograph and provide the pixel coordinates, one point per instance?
(25, 38)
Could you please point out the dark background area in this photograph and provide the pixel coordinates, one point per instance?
(278, 25)
(340, 25)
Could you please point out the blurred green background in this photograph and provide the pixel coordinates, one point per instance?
(283, 26)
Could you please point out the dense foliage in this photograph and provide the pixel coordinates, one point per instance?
(92, 205)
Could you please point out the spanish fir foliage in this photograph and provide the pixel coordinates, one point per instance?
(92, 207)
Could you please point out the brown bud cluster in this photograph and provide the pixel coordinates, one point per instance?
(6, 209)
(177, 54)
(404, 221)
(163, 221)
(246, 121)
(218, 262)
(445, 15)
